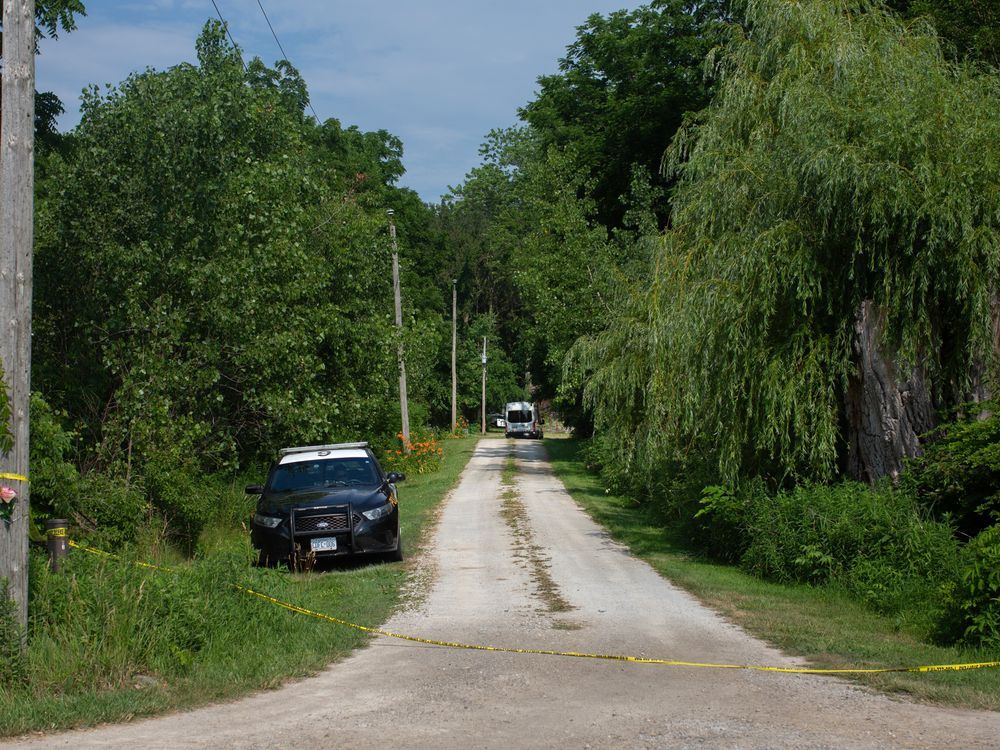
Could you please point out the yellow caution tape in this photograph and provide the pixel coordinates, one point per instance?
(15, 477)
(575, 654)
(57, 532)
(102, 553)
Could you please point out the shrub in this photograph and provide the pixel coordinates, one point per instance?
(819, 532)
(105, 507)
(183, 497)
(421, 455)
(959, 473)
(461, 428)
(53, 478)
(973, 610)
(720, 525)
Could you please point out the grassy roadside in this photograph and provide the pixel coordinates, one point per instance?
(824, 625)
(140, 642)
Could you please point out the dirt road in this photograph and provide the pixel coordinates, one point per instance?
(533, 571)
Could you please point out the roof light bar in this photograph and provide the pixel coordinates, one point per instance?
(308, 448)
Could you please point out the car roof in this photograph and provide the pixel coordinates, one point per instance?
(293, 458)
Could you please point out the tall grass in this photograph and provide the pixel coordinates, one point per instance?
(110, 640)
(850, 591)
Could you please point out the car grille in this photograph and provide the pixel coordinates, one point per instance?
(326, 522)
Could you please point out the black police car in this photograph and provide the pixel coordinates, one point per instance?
(326, 501)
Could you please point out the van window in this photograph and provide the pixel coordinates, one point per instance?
(519, 416)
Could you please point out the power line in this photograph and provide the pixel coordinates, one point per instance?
(230, 35)
(283, 53)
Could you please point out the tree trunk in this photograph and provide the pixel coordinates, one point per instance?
(885, 414)
(983, 386)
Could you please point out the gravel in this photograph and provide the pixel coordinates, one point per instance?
(396, 693)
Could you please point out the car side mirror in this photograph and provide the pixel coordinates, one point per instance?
(254, 489)
(394, 477)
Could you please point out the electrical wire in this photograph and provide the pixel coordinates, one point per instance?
(230, 35)
(283, 53)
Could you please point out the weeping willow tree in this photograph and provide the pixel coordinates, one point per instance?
(830, 280)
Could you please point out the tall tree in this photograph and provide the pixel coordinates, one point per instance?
(969, 28)
(834, 263)
(212, 283)
(622, 91)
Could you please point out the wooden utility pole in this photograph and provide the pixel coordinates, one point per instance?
(484, 386)
(454, 344)
(17, 185)
(404, 407)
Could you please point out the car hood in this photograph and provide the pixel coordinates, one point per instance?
(360, 498)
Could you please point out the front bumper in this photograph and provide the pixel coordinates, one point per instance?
(523, 433)
(354, 533)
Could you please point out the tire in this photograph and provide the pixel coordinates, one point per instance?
(397, 554)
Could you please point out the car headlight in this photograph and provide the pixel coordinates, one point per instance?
(268, 522)
(376, 513)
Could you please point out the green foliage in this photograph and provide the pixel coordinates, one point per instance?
(107, 508)
(621, 92)
(722, 522)
(974, 601)
(422, 454)
(110, 621)
(54, 478)
(216, 270)
(959, 473)
(969, 28)
(13, 665)
(817, 532)
(842, 160)
(876, 543)
(561, 216)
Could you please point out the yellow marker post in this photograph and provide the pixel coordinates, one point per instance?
(56, 540)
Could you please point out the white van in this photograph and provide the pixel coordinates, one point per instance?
(522, 420)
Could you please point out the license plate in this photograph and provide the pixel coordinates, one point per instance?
(324, 544)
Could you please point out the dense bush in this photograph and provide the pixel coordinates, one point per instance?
(106, 508)
(876, 542)
(959, 473)
(53, 477)
(419, 455)
(973, 605)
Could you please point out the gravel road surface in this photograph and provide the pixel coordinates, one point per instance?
(528, 569)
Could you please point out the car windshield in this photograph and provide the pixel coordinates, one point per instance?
(331, 472)
(519, 416)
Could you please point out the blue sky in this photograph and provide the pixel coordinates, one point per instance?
(439, 74)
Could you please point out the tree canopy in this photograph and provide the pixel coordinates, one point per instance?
(842, 161)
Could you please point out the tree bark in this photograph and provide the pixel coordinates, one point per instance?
(17, 139)
(885, 413)
(983, 386)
